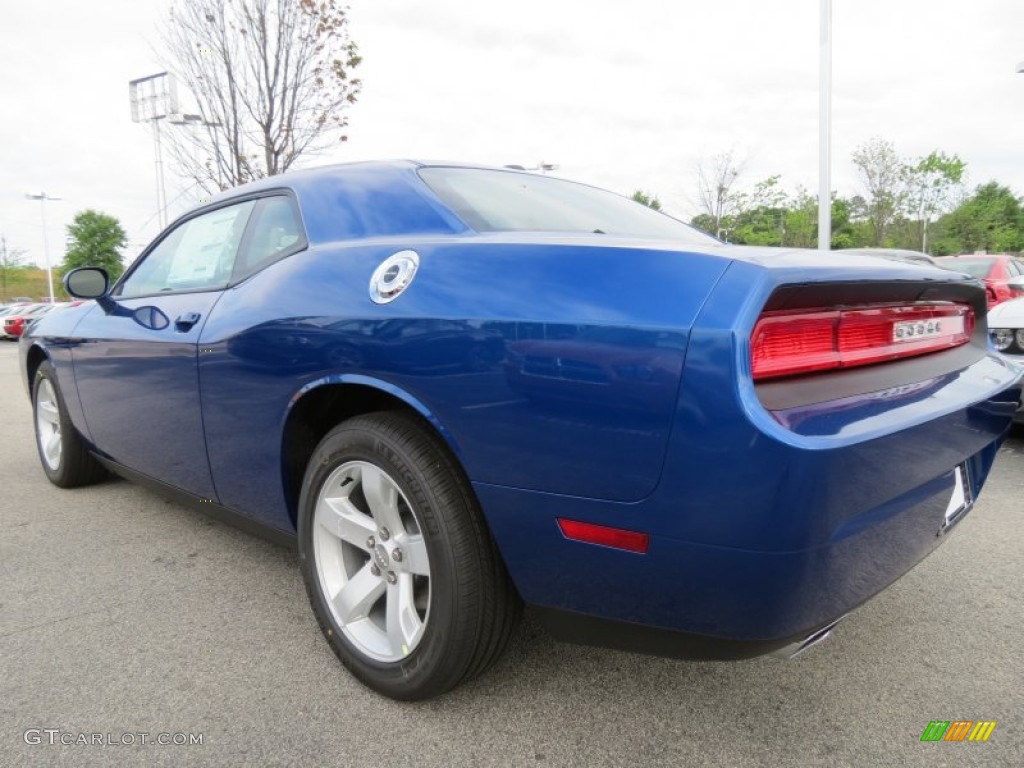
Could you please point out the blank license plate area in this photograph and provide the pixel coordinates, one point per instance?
(915, 330)
(960, 501)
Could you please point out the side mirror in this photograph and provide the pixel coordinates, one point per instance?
(1016, 282)
(91, 283)
(87, 283)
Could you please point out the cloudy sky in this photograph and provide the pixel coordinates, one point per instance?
(622, 95)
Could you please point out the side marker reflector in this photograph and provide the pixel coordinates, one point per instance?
(631, 541)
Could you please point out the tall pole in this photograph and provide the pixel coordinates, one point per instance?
(161, 190)
(152, 99)
(825, 129)
(3, 267)
(42, 197)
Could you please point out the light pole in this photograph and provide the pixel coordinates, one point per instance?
(152, 99)
(42, 197)
(825, 129)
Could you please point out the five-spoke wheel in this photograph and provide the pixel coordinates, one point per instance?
(62, 452)
(48, 430)
(400, 568)
(373, 563)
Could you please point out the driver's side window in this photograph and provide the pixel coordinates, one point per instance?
(196, 256)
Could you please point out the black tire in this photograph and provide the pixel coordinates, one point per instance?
(72, 465)
(472, 605)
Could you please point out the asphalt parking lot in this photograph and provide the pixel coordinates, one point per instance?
(121, 613)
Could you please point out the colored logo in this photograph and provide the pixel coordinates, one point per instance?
(958, 730)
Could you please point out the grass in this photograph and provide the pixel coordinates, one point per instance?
(30, 282)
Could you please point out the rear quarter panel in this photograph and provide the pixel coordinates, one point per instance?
(448, 344)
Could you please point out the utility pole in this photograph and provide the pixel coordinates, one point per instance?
(825, 129)
(42, 197)
(153, 99)
(3, 266)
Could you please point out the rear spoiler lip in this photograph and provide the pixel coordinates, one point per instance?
(844, 293)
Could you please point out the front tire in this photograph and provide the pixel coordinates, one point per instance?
(401, 571)
(62, 452)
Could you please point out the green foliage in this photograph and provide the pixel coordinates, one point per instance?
(703, 222)
(651, 201)
(932, 183)
(11, 264)
(95, 240)
(29, 281)
(883, 174)
(802, 221)
(914, 204)
(992, 219)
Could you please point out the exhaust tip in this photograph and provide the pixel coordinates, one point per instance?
(797, 648)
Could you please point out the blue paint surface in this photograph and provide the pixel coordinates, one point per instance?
(585, 376)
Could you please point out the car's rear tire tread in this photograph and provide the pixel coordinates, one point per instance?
(487, 583)
(78, 467)
(488, 604)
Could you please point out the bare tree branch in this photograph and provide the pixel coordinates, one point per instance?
(715, 180)
(272, 80)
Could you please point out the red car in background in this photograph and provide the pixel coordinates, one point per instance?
(14, 322)
(996, 269)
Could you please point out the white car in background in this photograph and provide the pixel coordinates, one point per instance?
(1006, 331)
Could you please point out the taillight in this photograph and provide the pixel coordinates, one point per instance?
(787, 342)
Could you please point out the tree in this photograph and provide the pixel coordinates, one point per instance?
(95, 240)
(931, 185)
(651, 201)
(272, 80)
(883, 174)
(801, 220)
(11, 260)
(992, 219)
(759, 215)
(715, 180)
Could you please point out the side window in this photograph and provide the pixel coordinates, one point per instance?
(1016, 268)
(275, 232)
(198, 255)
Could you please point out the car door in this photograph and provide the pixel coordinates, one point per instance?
(136, 366)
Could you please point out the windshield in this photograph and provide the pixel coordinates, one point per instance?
(973, 267)
(506, 201)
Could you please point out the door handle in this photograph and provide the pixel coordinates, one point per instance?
(185, 321)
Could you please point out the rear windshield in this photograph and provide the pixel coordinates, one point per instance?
(505, 201)
(973, 267)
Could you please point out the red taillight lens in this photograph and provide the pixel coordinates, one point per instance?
(787, 343)
(631, 541)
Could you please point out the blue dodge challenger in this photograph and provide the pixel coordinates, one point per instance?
(457, 390)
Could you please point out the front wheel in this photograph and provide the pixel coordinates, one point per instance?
(65, 459)
(401, 571)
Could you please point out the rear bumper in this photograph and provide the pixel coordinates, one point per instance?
(582, 629)
(758, 537)
(762, 600)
